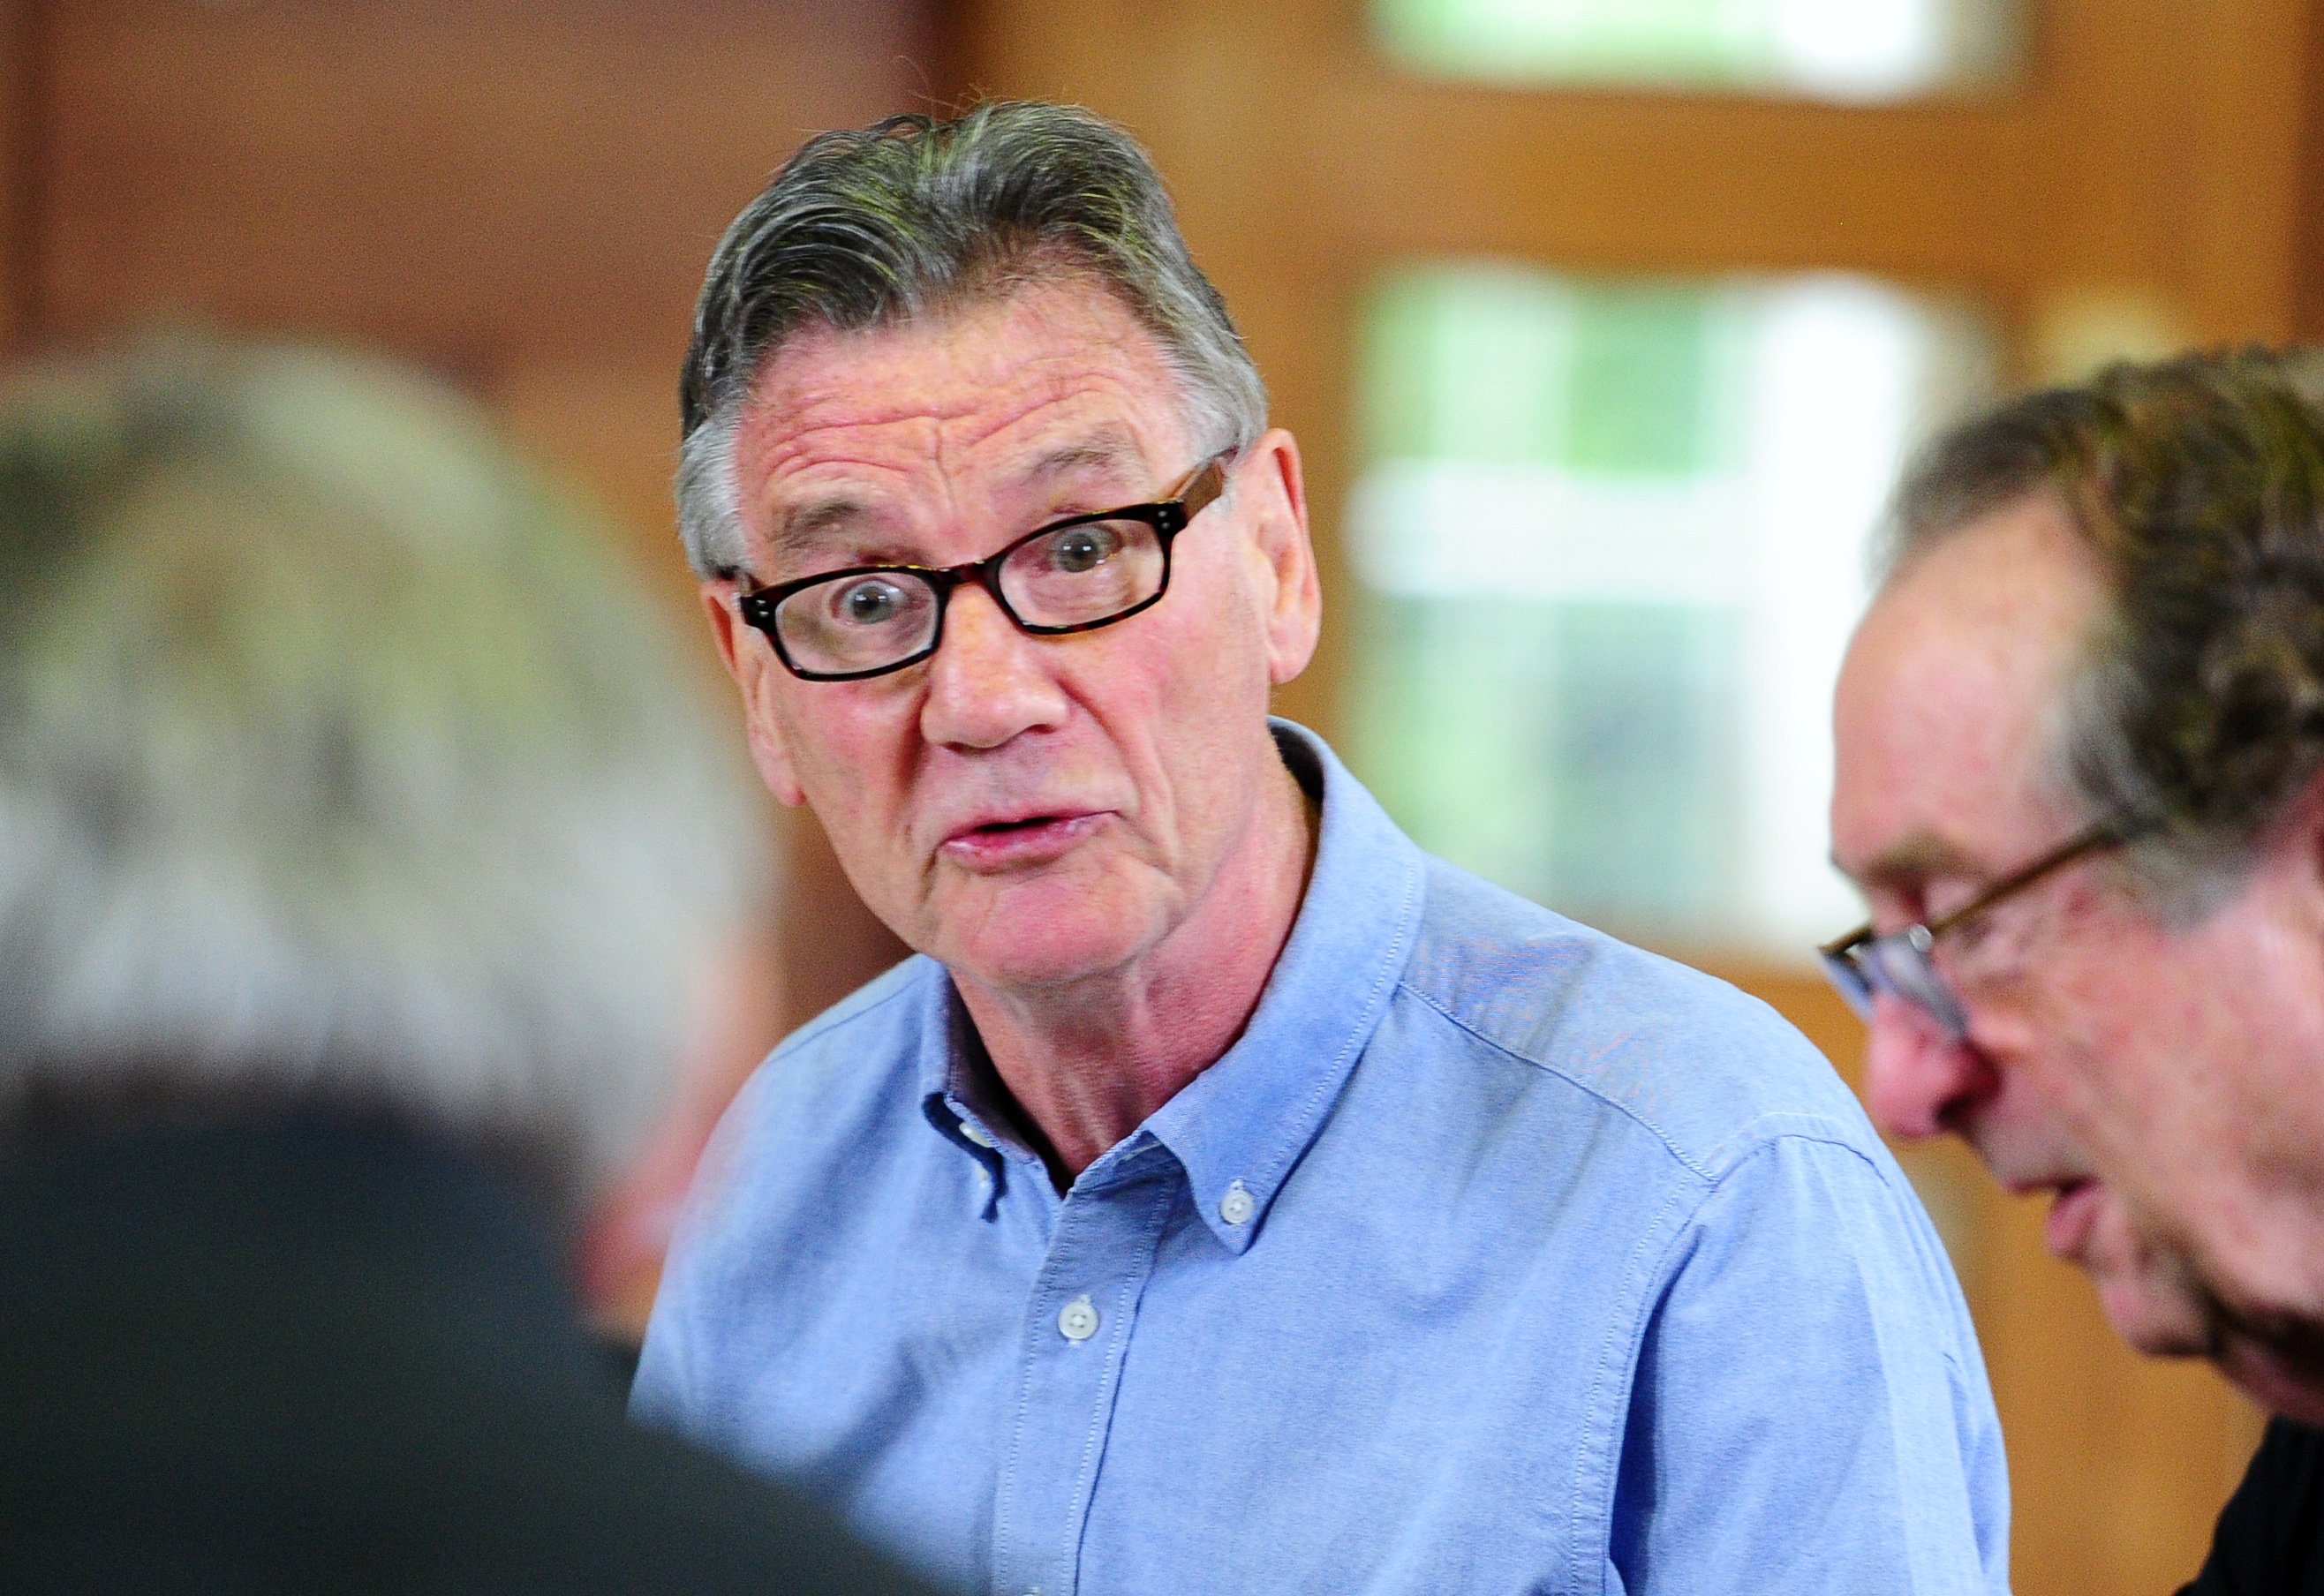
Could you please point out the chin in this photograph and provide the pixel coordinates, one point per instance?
(1047, 946)
(1048, 928)
(2156, 1330)
(2157, 1308)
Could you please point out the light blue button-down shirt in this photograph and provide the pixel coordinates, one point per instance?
(1495, 1257)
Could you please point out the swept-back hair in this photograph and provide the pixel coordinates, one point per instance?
(912, 217)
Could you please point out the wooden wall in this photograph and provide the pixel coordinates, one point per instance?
(519, 195)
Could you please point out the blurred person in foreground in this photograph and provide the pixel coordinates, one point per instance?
(358, 850)
(2080, 740)
(1229, 1198)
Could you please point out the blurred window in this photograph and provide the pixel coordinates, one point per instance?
(1610, 541)
(1838, 49)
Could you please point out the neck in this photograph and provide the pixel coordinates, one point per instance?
(1087, 1063)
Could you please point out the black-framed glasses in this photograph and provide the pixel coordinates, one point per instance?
(1073, 575)
(1903, 964)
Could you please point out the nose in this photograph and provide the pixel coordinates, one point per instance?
(1917, 1080)
(987, 681)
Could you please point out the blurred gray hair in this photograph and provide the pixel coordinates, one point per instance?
(341, 760)
(913, 216)
(2196, 714)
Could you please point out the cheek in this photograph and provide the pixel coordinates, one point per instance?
(2100, 991)
(851, 753)
(2136, 1033)
(1223, 643)
(2087, 1065)
(1190, 678)
(1175, 705)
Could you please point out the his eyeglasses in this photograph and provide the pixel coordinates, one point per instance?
(1903, 963)
(1073, 575)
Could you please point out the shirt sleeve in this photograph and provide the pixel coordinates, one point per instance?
(1810, 1411)
(668, 1392)
(660, 1394)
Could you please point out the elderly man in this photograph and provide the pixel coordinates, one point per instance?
(1229, 1196)
(2082, 781)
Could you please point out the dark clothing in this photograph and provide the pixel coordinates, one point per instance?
(316, 1357)
(2270, 1541)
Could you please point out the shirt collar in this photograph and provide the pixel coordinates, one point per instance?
(952, 1092)
(1240, 1127)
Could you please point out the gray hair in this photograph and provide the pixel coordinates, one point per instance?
(913, 216)
(341, 761)
(2197, 711)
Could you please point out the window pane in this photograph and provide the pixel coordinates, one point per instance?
(1843, 50)
(1610, 541)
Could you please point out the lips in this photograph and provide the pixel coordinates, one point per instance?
(1015, 842)
(2072, 1213)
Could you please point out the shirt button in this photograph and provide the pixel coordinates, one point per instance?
(1077, 1320)
(976, 1134)
(1236, 1208)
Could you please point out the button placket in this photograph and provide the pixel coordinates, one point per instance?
(1101, 1254)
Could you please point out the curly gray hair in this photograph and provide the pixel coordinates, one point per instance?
(912, 216)
(340, 761)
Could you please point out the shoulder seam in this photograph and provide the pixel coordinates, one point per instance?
(1624, 1109)
(1704, 1168)
(1767, 1145)
(1774, 1138)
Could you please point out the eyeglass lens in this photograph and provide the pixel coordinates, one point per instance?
(1900, 965)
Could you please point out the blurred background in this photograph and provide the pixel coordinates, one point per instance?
(1604, 325)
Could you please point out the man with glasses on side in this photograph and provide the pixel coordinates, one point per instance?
(2080, 778)
(1229, 1198)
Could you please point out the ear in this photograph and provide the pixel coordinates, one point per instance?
(1277, 515)
(750, 660)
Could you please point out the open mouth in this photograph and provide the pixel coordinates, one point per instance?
(1027, 840)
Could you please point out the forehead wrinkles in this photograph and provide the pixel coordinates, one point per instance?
(902, 437)
(931, 391)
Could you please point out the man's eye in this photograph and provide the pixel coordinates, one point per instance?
(1080, 549)
(872, 601)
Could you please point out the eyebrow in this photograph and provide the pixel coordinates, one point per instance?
(1108, 449)
(1913, 858)
(802, 526)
